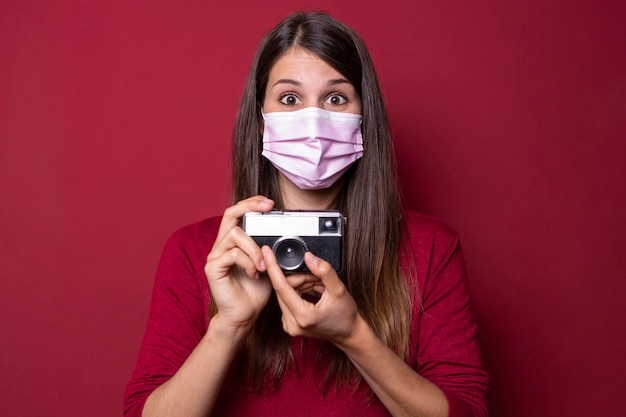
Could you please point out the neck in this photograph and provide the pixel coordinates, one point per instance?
(296, 199)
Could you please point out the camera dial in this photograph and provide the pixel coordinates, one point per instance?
(289, 252)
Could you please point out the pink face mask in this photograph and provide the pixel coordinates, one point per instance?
(312, 147)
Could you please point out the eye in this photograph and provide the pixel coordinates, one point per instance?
(289, 99)
(336, 100)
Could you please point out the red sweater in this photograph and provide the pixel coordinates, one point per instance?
(443, 346)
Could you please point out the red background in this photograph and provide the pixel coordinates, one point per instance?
(509, 120)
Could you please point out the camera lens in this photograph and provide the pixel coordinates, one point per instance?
(289, 252)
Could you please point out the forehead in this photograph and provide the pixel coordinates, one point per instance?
(301, 64)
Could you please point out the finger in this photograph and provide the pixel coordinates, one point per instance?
(237, 238)
(221, 265)
(300, 281)
(277, 278)
(233, 214)
(319, 288)
(325, 272)
(284, 291)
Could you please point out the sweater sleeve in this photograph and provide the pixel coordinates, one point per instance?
(177, 320)
(448, 354)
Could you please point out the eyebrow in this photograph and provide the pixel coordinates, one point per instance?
(335, 81)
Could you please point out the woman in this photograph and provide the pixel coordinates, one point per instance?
(230, 334)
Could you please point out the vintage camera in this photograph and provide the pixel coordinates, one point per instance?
(291, 233)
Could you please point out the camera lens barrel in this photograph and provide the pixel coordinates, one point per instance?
(289, 252)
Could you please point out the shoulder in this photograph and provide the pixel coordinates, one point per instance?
(197, 232)
(423, 229)
(193, 240)
(431, 246)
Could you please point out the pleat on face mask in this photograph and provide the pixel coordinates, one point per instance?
(312, 147)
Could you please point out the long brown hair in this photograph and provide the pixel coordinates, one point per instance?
(369, 198)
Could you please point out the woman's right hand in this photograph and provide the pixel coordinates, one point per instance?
(233, 267)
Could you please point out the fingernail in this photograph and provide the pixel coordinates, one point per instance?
(267, 203)
(262, 265)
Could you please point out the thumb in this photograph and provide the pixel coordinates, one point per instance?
(325, 272)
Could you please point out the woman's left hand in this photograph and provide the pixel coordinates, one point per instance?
(333, 317)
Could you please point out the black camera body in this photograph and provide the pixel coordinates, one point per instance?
(291, 233)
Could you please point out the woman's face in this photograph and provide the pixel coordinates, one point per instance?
(301, 79)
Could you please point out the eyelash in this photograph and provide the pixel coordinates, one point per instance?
(285, 96)
(342, 98)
